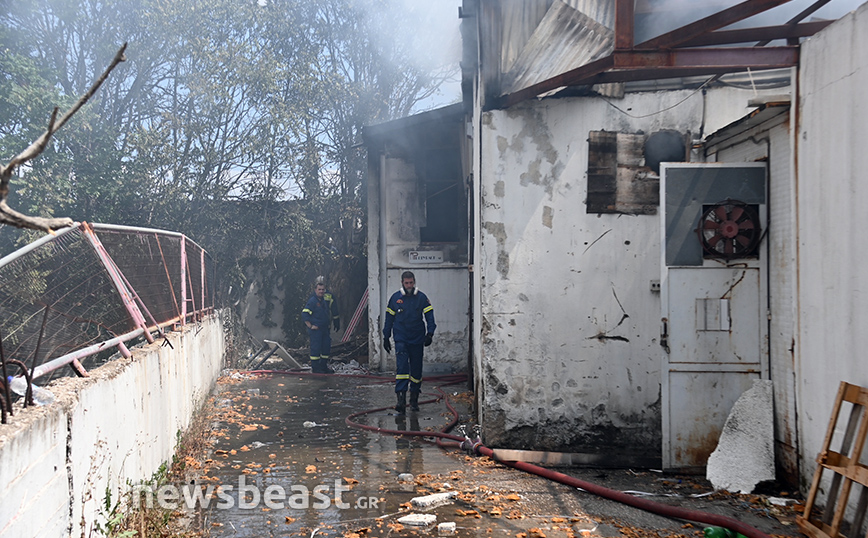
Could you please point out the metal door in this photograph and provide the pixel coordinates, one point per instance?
(713, 300)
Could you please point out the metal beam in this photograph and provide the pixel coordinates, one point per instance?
(624, 24)
(735, 57)
(724, 18)
(765, 34)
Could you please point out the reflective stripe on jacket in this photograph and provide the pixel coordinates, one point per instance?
(409, 317)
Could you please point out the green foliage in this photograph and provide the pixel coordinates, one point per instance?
(234, 122)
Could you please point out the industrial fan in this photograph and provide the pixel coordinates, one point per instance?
(729, 229)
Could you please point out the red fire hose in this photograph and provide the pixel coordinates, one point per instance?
(478, 448)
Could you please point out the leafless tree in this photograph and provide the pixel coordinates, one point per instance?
(13, 218)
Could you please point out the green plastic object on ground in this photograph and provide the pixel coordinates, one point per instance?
(720, 532)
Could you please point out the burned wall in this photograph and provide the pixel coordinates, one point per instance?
(570, 358)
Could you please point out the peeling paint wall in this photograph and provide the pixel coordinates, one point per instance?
(831, 193)
(570, 357)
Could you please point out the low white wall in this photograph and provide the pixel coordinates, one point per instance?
(118, 425)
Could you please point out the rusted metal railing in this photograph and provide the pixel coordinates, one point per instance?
(89, 290)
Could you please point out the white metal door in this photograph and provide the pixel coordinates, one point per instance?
(713, 307)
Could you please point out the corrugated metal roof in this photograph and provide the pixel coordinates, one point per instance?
(565, 39)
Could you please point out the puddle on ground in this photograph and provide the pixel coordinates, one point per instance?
(282, 440)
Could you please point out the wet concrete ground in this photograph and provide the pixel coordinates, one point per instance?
(282, 440)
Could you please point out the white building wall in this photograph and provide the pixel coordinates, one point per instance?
(570, 354)
(831, 190)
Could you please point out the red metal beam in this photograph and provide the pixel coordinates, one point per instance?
(724, 18)
(659, 73)
(799, 18)
(765, 34)
(731, 57)
(624, 24)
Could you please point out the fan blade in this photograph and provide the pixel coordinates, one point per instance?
(713, 241)
(728, 247)
(744, 240)
(746, 225)
(720, 213)
(736, 213)
(710, 225)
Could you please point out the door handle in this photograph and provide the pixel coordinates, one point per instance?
(664, 334)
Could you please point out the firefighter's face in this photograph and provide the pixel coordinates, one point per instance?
(320, 290)
(409, 284)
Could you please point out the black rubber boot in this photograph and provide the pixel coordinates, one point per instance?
(402, 402)
(414, 401)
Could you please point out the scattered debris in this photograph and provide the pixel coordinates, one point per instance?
(433, 500)
(446, 527)
(418, 520)
(311, 424)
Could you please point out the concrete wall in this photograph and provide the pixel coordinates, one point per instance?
(569, 327)
(118, 425)
(831, 194)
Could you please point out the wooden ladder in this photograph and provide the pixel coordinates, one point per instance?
(846, 469)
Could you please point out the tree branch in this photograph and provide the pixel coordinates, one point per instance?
(12, 217)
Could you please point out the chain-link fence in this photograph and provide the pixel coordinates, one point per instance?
(90, 289)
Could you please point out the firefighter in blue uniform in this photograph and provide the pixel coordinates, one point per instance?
(404, 319)
(320, 311)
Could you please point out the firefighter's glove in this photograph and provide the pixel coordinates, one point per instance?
(337, 325)
(387, 345)
(428, 339)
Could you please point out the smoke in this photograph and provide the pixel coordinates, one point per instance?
(427, 34)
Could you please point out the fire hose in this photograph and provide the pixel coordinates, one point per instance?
(445, 439)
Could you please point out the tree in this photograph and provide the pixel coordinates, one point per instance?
(49, 224)
(236, 122)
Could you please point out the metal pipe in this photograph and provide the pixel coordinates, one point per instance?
(183, 280)
(63, 360)
(119, 228)
(36, 244)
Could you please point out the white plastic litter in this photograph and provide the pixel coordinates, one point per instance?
(447, 527)
(418, 520)
(433, 500)
(311, 424)
(405, 477)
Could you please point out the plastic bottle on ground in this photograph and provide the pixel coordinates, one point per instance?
(41, 396)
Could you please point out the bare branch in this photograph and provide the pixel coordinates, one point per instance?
(12, 217)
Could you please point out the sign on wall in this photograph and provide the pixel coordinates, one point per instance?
(426, 256)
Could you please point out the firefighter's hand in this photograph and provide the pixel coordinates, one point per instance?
(337, 325)
(387, 345)
(428, 339)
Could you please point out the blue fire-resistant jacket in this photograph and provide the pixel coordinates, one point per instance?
(404, 316)
(320, 312)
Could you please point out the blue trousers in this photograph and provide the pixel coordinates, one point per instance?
(320, 344)
(408, 373)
